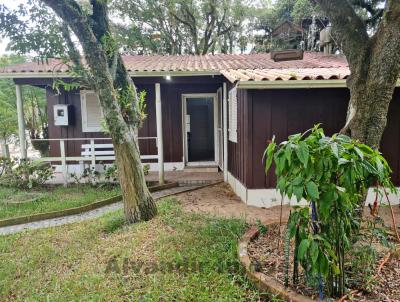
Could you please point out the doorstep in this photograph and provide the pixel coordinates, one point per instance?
(201, 169)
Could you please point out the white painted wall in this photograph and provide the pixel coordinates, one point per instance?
(267, 198)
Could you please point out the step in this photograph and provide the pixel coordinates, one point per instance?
(204, 169)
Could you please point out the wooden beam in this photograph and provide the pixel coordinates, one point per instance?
(160, 142)
(21, 122)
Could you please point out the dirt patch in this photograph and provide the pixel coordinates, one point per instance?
(221, 201)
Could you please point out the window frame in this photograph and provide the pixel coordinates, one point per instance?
(232, 106)
(84, 112)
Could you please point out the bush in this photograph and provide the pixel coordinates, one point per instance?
(109, 176)
(24, 174)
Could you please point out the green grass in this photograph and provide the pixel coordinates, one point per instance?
(185, 257)
(48, 199)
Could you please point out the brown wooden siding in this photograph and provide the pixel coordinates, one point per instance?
(171, 95)
(239, 157)
(265, 113)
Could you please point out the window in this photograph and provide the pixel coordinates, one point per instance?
(232, 111)
(91, 111)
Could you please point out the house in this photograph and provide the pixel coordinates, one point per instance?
(210, 111)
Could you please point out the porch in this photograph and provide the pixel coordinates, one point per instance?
(167, 145)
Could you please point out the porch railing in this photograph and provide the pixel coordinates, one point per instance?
(90, 153)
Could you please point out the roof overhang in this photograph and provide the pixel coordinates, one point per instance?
(34, 75)
(172, 73)
(294, 84)
(57, 75)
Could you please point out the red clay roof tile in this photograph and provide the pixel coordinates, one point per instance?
(233, 66)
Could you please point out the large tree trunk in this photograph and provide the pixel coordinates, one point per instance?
(138, 203)
(368, 108)
(374, 64)
(109, 78)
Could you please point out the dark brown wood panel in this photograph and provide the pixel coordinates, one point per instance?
(281, 113)
(171, 96)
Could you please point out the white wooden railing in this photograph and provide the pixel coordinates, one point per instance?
(91, 152)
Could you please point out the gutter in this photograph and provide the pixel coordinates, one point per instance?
(292, 84)
(295, 84)
(133, 74)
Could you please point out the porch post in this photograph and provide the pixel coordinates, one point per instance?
(225, 115)
(160, 144)
(21, 122)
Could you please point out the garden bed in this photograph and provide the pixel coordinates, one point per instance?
(380, 283)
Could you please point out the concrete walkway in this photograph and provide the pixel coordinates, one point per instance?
(87, 215)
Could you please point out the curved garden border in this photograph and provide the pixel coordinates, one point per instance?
(76, 210)
(262, 281)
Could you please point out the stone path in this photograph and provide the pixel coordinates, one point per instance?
(86, 215)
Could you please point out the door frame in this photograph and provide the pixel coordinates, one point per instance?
(184, 133)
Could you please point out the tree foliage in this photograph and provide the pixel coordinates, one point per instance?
(32, 28)
(180, 27)
(331, 174)
(35, 105)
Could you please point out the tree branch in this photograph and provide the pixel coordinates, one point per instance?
(350, 29)
(73, 53)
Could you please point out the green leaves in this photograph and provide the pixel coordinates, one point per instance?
(312, 190)
(303, 247)
(303, 153)
(333, 172)
(335, 150)
(314, 251)
(269, 153)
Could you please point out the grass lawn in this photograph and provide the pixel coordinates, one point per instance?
(177, 256)
(15, 202)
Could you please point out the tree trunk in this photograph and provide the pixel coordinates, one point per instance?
(138, 203)
(368, 108)
(109, 78)
(374, 63)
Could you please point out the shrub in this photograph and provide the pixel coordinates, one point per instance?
(110, 175)
(332, 174)
(24, 173)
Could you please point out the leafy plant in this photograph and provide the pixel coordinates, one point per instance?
(262, 228)
(332, 174)
(363, 259)
(89, 176)
(24, 174)
(108, 177)
(146, 169)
